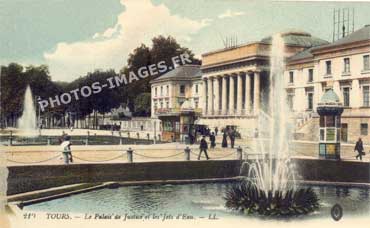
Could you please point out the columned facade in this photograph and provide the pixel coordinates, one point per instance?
(231, 94)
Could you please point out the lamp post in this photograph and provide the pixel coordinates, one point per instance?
(330, 111)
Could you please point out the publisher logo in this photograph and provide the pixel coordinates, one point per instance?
(336, 212)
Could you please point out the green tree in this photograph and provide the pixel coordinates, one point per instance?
(162, 49)
(142, 105)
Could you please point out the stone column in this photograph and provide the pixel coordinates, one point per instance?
(204, 94)
(247, 93)
(239, 97)
(217, 96)
(224, 94)
(256, 95)
(231, 95)
(210, 96)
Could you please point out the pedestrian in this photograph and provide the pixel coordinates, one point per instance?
(216, 131)
(224, 140)
(360, 148)
(232, 138)
(66, 149)
(203, 147)
(212, 138)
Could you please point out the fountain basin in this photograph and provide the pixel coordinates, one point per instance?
(198, 200)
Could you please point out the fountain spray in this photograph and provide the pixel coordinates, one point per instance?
(27, 122)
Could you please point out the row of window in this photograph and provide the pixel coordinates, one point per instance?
(346, 98)
(309, 76)
(161, 104)
(181, 88)
(365, 96)
(346, 68)
(347, 65)
(156, 91)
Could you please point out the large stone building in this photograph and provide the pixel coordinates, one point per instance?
(232, 85)
(235, 80)
(343, 66)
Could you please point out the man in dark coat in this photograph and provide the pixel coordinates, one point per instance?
(203, 147)
(360, 148)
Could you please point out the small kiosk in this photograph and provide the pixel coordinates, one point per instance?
(187, 119)
(178, 124)
(330, 111)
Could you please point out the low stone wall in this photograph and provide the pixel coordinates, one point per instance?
(30, 178)
(333, 171)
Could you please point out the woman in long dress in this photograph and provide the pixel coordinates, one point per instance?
(224, 140)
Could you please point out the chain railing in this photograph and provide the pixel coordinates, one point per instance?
(237, 153)
(33, 162)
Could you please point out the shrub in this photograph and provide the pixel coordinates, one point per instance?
(248, 198)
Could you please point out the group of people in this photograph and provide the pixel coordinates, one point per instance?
(231, 133)
(227, 132)
(65, 144)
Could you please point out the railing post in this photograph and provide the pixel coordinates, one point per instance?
(239, 151)
(11, 138)
(187, 153)
(120, 138)
(87, 138)
(129, 155)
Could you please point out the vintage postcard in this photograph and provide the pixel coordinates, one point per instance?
(163, 113)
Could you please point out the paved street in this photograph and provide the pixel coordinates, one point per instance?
(43, 154)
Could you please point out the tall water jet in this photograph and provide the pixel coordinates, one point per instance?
(27, 122)
(275, 173)
(270, 183)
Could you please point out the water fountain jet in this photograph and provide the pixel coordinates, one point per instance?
(269, 188)
(27, 122)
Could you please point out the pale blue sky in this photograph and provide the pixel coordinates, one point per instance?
(77, 36)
